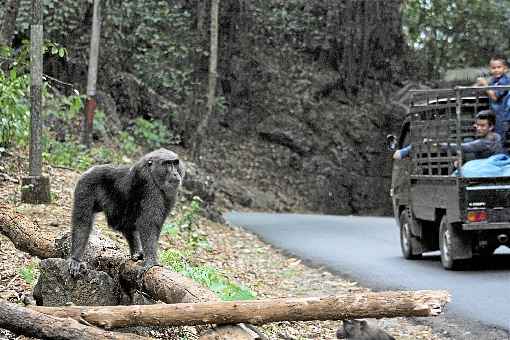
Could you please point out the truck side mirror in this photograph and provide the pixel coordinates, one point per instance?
(391, 141)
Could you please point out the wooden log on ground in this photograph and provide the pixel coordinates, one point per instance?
(26, 235)
(21, 320)
(339, 307)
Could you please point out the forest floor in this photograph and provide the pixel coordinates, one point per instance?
(234, 252)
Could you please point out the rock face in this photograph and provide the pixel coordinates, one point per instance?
(55, 286)
(330, 160)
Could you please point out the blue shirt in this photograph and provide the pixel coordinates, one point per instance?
(498, 106)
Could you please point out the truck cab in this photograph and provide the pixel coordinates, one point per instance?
(435, 206)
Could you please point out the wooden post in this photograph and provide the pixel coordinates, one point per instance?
(36, 187)
(90, 103)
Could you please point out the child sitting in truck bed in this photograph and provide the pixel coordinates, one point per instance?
(488, 142)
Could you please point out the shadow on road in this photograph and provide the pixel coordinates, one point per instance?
(496, 262)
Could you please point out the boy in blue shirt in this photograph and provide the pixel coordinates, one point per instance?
(498, 67)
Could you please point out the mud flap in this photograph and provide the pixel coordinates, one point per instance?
(462, 242)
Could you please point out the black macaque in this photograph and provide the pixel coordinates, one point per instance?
(136, 201)
(361, 330)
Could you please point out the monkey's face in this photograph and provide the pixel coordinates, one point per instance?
(166, 169)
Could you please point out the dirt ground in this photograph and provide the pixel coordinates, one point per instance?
(236, 253)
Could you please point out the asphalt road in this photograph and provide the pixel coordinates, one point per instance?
(367, 249)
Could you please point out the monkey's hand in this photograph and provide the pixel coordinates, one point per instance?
(137, 256)
(147, 264)
(75, 267)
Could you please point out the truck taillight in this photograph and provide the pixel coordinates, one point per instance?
(477, 216)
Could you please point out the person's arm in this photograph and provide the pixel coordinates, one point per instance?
(484, 82)
(496, 95)
(403, 153)
(478, 145)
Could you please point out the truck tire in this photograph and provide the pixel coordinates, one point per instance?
(407, 240)
(448, 239)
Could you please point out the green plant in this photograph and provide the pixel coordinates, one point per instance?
(67, 154)
(14, 108)
(207, 276)
(127, 143)
(153, 134)
(186, 225)
(29, 272)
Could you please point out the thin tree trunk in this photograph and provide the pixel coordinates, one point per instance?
(339, 307)
(21, 320)
(211, 89)
(90, 103)
(8, 23)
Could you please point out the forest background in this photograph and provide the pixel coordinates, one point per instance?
(307, 89)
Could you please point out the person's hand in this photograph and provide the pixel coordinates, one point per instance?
(481, 81)
(396, 155)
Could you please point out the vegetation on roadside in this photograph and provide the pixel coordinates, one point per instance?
(185, 228)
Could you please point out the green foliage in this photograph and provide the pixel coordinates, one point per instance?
(14, 108)
(127, 143)
(448, 34)
(155, 39)
(206, 276)
(152, 134)
(186, 225)
(67, 154)
(29, 272)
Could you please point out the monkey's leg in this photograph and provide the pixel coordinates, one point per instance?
(149, 236)
(80, 237)
(135, 244)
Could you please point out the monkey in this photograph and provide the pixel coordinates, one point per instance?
(361, 330)
(135, 200)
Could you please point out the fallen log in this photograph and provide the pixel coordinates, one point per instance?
(25, 234)
(21, 320)
(338, 307)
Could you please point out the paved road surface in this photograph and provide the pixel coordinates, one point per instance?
(368, 250)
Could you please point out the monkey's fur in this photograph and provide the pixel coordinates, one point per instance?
(361, 330)
(136, 201)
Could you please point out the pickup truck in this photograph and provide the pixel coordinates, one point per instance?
(436, 207)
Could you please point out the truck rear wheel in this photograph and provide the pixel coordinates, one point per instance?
(407, 240)
(448, 240)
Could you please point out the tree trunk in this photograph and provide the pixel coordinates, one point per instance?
(8, 23)
(211, 89)
(90, 103)
(21, 320)
(340, 307)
